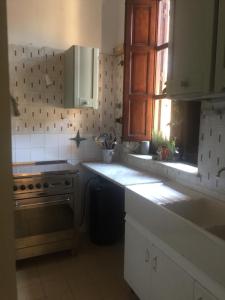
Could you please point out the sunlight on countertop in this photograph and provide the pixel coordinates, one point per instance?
(175, 165)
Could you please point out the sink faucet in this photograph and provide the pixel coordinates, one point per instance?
(220, 171)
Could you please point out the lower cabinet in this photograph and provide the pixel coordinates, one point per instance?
(149, 272)
(137, 261)
(168, 280)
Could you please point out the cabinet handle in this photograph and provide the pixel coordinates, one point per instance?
(147, 256)
(184, 83)
(155, 263)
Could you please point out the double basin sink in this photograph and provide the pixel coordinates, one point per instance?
(205, 213)
(208, 214)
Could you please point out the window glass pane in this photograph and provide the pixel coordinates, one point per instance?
(161, 71)
(163, 23)
(157, 104)
(165, 117)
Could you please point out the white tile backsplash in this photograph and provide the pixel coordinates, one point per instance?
(51, 153)
(22, 155)
(22, 141)
(53, 147)
(37, 154)
(51, 140)
(37, 140)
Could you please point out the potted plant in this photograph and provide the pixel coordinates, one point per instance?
(162, 148)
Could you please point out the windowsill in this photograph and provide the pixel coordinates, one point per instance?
(174, 165)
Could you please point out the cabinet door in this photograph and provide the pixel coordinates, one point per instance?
(81, 77)
(137, 261)
(190, 47)
(201, 293)
(220, 55)
(169, 281)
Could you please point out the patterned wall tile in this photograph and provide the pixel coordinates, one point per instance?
(41, 106)
(212, 143)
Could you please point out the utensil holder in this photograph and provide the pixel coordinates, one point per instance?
(107, 155)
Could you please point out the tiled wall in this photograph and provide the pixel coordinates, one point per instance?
(212, 145)
(43, 129)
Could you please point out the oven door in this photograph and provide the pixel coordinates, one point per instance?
(43, 215)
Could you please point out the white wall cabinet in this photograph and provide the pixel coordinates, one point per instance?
(201, 293)
(220, 55)
(149, 272)
(191, 48)
(81, 77)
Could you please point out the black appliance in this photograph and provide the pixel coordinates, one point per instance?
(106, 212)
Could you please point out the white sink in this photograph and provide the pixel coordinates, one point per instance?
(208, 214)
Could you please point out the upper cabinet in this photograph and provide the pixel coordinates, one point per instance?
(81, 77)
(192, 29)
(220, 55)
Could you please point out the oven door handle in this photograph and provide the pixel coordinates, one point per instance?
(45, 203)
(42, 195)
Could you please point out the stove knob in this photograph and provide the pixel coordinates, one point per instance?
(46, 185)
(30, 186)
(15, 188)
(22, 187)
(67, 182)
(38, 185)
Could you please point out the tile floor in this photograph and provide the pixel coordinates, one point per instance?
(95, 273)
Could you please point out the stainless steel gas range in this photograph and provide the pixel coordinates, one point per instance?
(45, 195)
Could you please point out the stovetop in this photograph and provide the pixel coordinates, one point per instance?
(42, 168)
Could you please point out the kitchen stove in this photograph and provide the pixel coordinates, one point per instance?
(45, 195)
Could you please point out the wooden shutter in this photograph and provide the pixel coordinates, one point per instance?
(139, 73)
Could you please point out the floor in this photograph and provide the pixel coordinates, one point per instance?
(95, 273)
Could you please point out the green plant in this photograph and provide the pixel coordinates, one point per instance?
(159, 141)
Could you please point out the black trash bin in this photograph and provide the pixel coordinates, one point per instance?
(106, 212)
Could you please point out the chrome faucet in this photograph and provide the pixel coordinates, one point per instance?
(220, 171)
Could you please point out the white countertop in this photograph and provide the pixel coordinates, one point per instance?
(120, 174)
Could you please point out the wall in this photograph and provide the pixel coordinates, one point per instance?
(44, 128)
(60, 24)
(55, 23)
(112, 24)
(36, 30)
(7, 255)
(211, 156)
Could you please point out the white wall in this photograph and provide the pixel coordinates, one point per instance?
(62, 23)
(7, 246)
(55, 23)
(112, 24)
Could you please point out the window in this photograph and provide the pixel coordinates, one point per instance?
(146, 107)
(162, 106)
